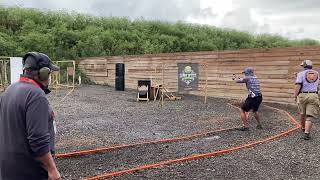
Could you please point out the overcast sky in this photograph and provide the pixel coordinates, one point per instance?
(290, 18)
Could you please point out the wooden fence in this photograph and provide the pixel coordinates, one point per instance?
(275, 68)
(4, 73)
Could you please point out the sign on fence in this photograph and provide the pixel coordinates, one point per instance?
(15, 68)
(188, 75)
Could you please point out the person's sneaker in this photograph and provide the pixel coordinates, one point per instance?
(303, 129)
(243, 129)
(259, 126)
(306, 136)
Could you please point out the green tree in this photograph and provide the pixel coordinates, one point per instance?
(71, 35)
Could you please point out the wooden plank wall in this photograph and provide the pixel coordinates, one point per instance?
(275, 68)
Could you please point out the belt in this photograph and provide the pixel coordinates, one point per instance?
(316, 92)
(260, 95)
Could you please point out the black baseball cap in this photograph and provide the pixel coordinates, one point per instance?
(36, 61)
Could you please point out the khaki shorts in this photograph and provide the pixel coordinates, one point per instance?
(308, 104)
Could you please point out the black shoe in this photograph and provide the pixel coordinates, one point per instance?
(306, 136)
(303, 129)
(259, 126)
(243, 129)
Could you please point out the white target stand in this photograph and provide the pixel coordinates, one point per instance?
(16, 69)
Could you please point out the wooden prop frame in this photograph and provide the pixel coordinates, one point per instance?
(4, 82)
(161, 88)
(204, 90)
(71, 71)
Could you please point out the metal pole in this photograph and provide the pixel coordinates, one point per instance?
(1, 76)
(59, 76)
(162, 86)
(74, 74)
(5, 73)
(107, 72)
(206, 86)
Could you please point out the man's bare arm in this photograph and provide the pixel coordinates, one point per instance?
(50, 166)
(297, 90)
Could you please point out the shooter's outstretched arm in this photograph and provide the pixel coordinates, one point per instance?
(237, 79)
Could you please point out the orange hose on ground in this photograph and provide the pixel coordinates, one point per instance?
(100, 150)
(292, 120)
(200, 156)
(106, 149)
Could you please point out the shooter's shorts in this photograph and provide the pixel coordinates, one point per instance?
(252, 104)
(308, 104)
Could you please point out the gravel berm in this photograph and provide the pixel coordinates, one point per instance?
(98, 116)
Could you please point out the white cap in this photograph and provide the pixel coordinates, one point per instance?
(306, 62)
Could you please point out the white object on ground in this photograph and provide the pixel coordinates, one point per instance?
(213, 138)
(54, 127)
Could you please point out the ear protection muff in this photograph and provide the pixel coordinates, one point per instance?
(43, 73)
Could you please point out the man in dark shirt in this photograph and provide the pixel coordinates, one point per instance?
(254, 98)
(26, 134)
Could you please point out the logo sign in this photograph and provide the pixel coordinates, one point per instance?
(188, 75)
(312, 76)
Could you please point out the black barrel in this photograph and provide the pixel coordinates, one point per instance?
(119, 81)
(120, 69)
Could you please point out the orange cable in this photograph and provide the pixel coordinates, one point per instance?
(169, 140)
(205, 155)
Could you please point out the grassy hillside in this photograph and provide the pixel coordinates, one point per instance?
(69, 36)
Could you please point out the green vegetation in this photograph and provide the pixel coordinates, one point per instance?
(70, 36)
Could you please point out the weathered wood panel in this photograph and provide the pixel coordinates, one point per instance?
(275, 68)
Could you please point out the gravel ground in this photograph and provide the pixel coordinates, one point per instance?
(74, 168)
(286, 158)
(97, 116)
